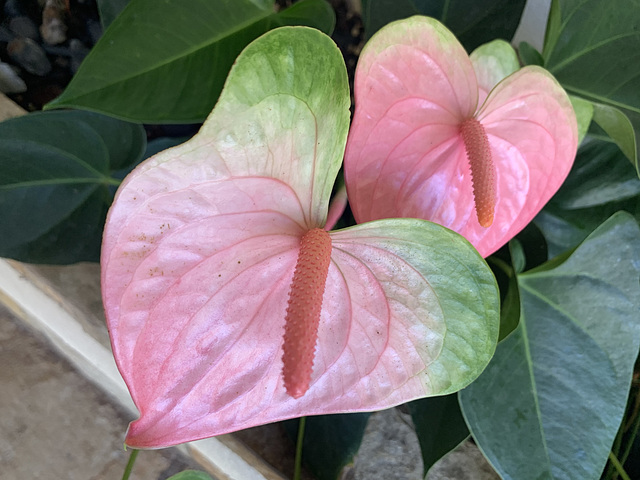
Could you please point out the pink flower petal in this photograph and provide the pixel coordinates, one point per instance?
(533, 133)
(414, 84)
(199, 253)
(405, 156)
(218, 329)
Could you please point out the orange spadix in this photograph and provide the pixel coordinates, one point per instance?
(482, 169)
(303, 312)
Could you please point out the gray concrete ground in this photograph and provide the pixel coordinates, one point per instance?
(54, 424)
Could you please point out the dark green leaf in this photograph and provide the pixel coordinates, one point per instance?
(510, 309)
(554, 25)
(166, 62)
(619, 128)
(109, 10)
(157, 145)
(565, 229)
(439, 425)
(529, 55)
(601, 174)
(55, 179)
(190, 475)
(595, 50)
(330, 442)
(474, 22)
(318, 14)
(592, 47)
(550, 402)
(601, 183)
(534, 249)
(517, 255)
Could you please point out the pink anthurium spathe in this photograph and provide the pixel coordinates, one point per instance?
(228, 303)
(426, 143)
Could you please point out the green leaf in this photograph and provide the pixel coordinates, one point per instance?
(565, 229)
(595, 50)
(190, 475)
(56, 182)
(529, 55)
(549, 404)
(601, 183)
(170, 68)
(330, 442)
(591, 47)
(554, 26)
(618, 126)
(318, 14)
(482, 21)
(510, 309)
(517, 255)
(600, 175)
(109, 10)
(439, 425)
(584, 114)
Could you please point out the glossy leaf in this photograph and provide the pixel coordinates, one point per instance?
(439, 425)
(406, 156)
(109, 10)
(529, 55)
(550, 403)
(170, 68)
(55, 177)
(618, 126)
(200, 249)
(601, 183)
(600, 175)
(592, 49)
(510, 309)
(565, 229)
(482, 22)
(330, 442)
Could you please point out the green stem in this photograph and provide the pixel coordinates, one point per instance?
(502, 265)
(113, 181)
(129, 467)
(297, 469)
(613, 459)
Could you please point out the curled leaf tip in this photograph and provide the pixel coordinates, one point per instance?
(483, 174)
(303, 312)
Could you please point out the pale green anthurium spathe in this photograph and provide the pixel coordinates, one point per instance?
(492, 63)
(584, 114)
(199, 253)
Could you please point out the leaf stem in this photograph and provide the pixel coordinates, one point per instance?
(113, 181)
(298, 463)
(616, 463)
(132, 459)
(502, 265)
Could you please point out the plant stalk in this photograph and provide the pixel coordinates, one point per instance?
(132, 459)
(297, 469)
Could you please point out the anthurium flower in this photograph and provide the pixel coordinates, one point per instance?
(228, 303)
(425, 142)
